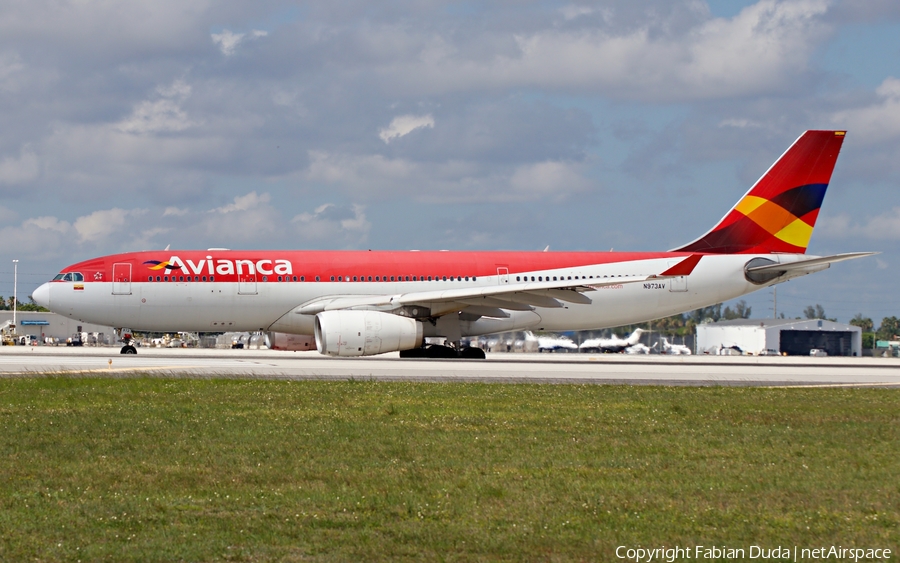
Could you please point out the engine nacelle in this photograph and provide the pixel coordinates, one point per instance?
(291, 342)
(365, 333)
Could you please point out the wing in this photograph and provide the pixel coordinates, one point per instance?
(490, 301)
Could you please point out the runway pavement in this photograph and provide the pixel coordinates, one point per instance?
(18, 361)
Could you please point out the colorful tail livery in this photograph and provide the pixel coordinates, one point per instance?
(779, 212)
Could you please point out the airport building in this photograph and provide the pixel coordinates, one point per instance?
(39, 326)
(793, 337)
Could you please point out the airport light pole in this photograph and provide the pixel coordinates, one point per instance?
(15, 290)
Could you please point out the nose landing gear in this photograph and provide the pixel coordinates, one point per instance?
(126, 336)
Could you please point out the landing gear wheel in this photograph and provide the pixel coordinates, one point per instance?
(414, 353)
(470, 353)
(439, 351)
(128, 349)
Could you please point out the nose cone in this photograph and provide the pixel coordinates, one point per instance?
(41, 295)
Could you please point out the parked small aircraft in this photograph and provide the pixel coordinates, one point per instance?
(673, 349)
(611, 345)
(548, 342)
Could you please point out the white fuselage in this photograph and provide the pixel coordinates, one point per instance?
(230, 306)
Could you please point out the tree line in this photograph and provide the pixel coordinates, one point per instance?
(6, 304)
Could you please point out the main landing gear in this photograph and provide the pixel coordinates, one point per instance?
(125, 335)
(444, 352)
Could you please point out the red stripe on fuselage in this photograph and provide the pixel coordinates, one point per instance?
(349, 263)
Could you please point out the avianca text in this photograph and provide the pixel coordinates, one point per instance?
(225, 267)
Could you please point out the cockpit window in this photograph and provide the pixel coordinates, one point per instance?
(71, 276)
(59, 277)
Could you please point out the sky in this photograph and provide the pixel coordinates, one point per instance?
(629, 124)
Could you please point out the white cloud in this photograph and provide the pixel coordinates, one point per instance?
(243, 203)
(160, 116)
(552, 179)
(572, 11)
(10, 64)
(21, 169)
(228, 40)
(740, 123)
(7, 215)
(353, 170)
(330, 222)
(885, 226)
(46, 238)
(761, 50)
(103, 223)
(376, 177)
(878, 121)
(405, 124)
(48, 224)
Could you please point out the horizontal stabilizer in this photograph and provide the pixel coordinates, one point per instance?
(809, 264)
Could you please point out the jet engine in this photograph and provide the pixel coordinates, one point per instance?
(292, 342)
(365, 333)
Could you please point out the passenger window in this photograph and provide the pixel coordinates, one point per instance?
(332, 278)
(317, 278)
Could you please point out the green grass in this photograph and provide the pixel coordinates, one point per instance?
(151, 469)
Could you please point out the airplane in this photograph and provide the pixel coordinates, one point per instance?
(548, 342)
(673, 349)
(638, 349)
(612, 345)
(363, 303)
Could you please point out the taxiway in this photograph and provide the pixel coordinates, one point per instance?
(18, 361)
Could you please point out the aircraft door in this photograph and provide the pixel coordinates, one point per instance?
(679, 283)
(502, 275)
(121, 279)
(247, 284)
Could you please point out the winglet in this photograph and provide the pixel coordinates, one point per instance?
(683, 268)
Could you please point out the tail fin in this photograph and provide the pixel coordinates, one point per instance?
(780, 210)
(635, 337)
